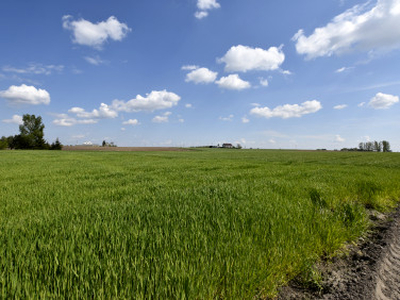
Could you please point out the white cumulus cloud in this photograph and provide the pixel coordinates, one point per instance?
(132, 122)
(16, 119)
(104, 112)
(243, 58)
(288, 110)
(201, 75)
(207, 4)
(383, 101)
(162, 119)
(24, 94)
(204, 6)
(233, 82)
(363, 27)
(201, 14)
(95, 35)
(156, 100)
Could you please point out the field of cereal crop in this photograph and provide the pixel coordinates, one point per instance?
(201, 224)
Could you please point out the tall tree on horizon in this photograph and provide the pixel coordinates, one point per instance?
(31, 132)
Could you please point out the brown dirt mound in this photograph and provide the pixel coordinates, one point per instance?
(122, 149)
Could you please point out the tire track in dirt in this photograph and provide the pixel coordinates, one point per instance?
(388, 275)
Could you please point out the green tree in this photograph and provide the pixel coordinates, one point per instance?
(385, 146)
(378, 146)
(31, 133)
(56, 145)
(3, 143)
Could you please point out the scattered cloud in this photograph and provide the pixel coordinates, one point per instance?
(207, 4)
(361, 104)
(227, 119)
(233, 82)
(201, 75)
(156, 100)
(288, 110)
(16, 119)
(35, 69)
(204, 7)
(76, 71)
(78, 136)
(94, 60)
(104, 112)
(201, 14)
(383, 101)
(243, 58)
(272, 141)
(339, 139)
(343, 69)
(286, 72)
(363, 27)
(84, 117)
(245, 120)
(67, 121)
(25, 95)
(95, 35)
(132, 122)
(188, 105)
(162, 119)
(264, 82)
(341, 106)
(189, 67)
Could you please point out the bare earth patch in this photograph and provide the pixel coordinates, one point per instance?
(121, 149)
(371, 270)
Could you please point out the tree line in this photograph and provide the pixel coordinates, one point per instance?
(31, 136)
(382, 146)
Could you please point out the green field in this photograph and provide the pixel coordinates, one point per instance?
(201, 224)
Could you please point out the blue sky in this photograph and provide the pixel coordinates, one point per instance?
(265, 74)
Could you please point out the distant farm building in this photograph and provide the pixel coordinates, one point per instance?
(227, 145)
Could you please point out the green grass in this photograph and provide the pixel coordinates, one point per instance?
(232, 224)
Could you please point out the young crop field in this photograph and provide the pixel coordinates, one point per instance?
(201, 224)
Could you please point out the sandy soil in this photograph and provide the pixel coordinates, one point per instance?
(97, 148)
(371, 270)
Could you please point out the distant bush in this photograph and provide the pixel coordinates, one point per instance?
(56, 145)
